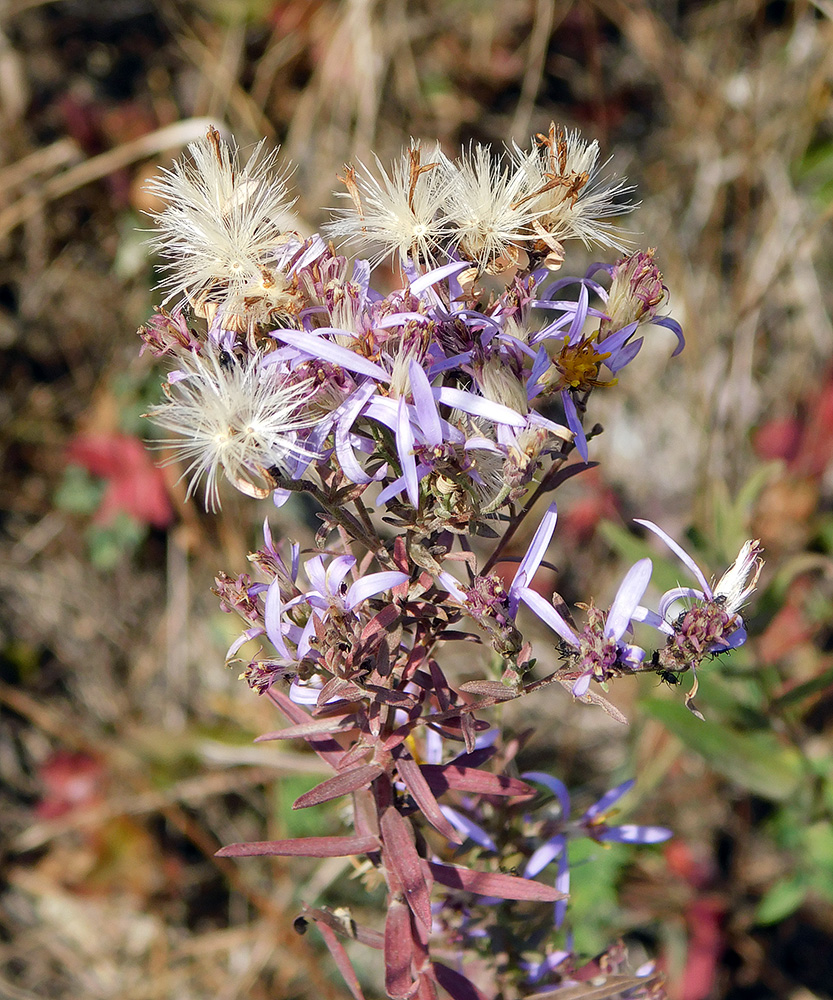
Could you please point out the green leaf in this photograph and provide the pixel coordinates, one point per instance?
(783, 898)
(109, 544)
(309, 822)
(79, 492)
(755, 761)
(594, 913)
(819, 840)
(805, 690)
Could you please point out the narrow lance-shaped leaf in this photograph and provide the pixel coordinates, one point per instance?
(364, 935)
(445, 777)
(338, 785)
(401, 856)
(455, 984)
(327, 748)
(399, 980)
(411, 773)
(302, 847)
(313, 727)
(493, 883)
(342, 960)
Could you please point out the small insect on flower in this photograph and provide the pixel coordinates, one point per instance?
(709, 622)
(222, 229)
(237, 417)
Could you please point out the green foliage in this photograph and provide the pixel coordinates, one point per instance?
(310, 822)
(755, 761)
(595, 871)
(816, 170)
(782, 899)
(79, 492)
(109, 544)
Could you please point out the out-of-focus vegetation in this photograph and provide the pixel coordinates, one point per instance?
(125, 744)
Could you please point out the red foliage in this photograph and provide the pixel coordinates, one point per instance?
(135, 485)
(71, 781)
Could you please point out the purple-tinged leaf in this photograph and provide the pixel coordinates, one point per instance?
(445, 777)
(399, 950)
(360, 933)
(400, 855)
(455, 984)
(302, 847)
(411, 773)
(489, 689)
(426, 987)
(365, 814)
(314, 727)
(492, 883)
(338, 785)
(341, 959)
(338, 688)
(475, 759)
(385, 621)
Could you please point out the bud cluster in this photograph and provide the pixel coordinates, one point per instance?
(416, 420)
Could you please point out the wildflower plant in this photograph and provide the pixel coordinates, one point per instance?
(426, 424)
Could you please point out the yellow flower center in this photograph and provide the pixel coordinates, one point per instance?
(578, 366)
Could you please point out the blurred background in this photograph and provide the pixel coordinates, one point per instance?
(125, 743)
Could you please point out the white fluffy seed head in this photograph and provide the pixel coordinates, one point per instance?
(396, 213)
(222, 226)
(238, 418)
(489, 218)
(562, 185)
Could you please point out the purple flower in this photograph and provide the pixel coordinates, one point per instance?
(636, 292)
(599, 652)
(424, 440)
(593, 823)
(709, 622)
(721, 601)
(331, 595)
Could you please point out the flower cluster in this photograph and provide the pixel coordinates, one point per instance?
(417, 420)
